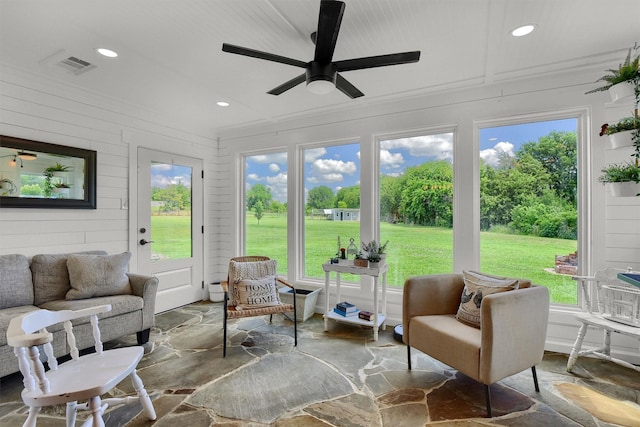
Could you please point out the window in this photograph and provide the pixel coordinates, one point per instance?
(416, 205)
(332, 203)
(528, 204)
(171, 221)
(266, 207)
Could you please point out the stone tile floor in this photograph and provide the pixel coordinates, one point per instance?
(339, 378)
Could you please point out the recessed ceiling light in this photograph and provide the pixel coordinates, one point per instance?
(106, 52)
(523, 30)
(222, 104)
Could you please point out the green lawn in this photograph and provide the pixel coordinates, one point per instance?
(412, 250)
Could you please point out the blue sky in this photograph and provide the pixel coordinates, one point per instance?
(339, 166)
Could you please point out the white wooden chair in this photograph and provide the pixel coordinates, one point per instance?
(83, 378)
(609, 305)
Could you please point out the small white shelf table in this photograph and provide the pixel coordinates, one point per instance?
(379, 313)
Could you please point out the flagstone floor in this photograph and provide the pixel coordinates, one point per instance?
(337, 378)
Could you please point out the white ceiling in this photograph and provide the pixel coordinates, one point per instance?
(171, 65)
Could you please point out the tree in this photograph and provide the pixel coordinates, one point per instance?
(258, 193)
(321, 198)
(350, 196)
(427, 194)
(278, 207)
(557, 153)
(390, 198)
(258, 210)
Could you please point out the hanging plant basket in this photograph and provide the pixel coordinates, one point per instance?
(620, 139)
(621, 91)
(625, 189)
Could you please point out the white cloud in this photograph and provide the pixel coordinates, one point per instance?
(274, 167)
(390, 160)
(492, 156)
(278, 186)
(331, 170)
(280, 158)
(439, 147)
(253, 177)
(313, 154)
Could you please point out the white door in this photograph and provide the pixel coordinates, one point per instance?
(170, 226)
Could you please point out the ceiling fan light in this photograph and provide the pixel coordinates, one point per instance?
(321, 87)
(27, 156)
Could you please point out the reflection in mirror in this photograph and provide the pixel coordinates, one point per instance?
(37, 174)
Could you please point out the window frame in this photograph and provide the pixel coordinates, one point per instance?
(584, 178)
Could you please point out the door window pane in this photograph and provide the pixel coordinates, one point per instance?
(528, 204)
(266, 207)
(170, 211)
(332, 203)
(416, 205)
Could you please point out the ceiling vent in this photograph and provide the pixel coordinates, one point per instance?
(76, 65)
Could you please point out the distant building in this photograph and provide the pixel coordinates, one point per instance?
(338, 214)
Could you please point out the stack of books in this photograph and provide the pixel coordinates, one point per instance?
(346, 309)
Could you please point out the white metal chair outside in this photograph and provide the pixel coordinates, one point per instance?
(83, 378)
(602, 291)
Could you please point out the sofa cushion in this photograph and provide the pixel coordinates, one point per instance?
(16, 287)
(98, 275)
(51, 277)
(256, 293)
(476, 287)
(120, 304)
(6, 314)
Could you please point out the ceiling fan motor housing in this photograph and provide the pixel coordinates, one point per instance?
(319, 71)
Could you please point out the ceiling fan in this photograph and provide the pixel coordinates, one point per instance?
(322, 74)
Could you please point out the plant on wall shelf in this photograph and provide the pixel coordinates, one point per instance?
(628, 172)
(627, 71)
(625, 124)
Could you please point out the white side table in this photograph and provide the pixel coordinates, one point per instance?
(379, 313)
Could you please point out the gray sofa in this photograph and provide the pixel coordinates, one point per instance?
(44, 282)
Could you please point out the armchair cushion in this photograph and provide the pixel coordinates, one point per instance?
(258, 293)
(476, 287)
(98, 275)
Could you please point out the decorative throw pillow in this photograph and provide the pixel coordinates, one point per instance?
(16, 288)
(251, 270)
(476, 287)
(51, 276)
(98, 275)
(522, 283)
(257, 293)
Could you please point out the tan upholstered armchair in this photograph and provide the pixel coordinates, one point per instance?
(511, 337)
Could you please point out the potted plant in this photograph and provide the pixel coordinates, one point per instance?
(60, 188)
(57, 170)
(622, 82)
(360, 260)
(621, 134)
(624, 179)
(373, 253)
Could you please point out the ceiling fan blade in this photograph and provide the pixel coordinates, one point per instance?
(329, 22)
(262, 55)
(288, 85)
(347, 88)
(378, 61)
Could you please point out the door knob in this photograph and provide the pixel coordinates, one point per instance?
(144, 242)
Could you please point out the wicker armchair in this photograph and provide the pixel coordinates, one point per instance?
(254, 268)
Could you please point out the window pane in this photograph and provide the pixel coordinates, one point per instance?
(528, 206)
(170, 211)
(332, 202)
(266, 207)
(416, 205)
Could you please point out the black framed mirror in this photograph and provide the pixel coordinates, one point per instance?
(37, 174)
